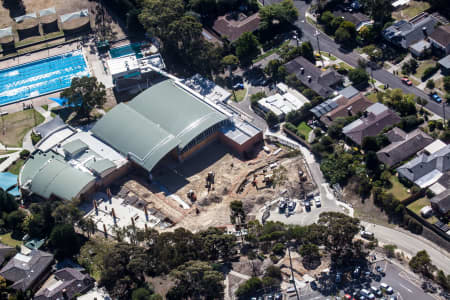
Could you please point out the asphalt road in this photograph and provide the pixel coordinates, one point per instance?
(411, 244)
(327, 44)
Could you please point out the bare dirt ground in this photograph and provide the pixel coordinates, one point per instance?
(172, 181)
(365, 209)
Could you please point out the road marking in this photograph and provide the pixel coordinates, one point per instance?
(409, 290)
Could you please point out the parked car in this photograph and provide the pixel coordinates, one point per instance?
(313, 285)
(376, 291)
(278, 296)
(406, 81)
(386, 288)
(436, 97)
(338, 278)
(291, 205)
(318, 203)
(367, 235)
(238, 86)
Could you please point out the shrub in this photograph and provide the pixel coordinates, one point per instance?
(35, 138)
(429, 72)
(24, 154)
(278, 249)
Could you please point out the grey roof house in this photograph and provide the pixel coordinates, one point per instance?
(351, 107)
(374, 120)
(66, 283)
(424, 170)
(311, 76)
(440, 38)
(445, 65)
(405, 33)
(26, 271)
(441, 202)
(5, 251)
(403, 145)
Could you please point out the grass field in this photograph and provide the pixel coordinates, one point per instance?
(414, 8)
(3, 152)
(16, 125)
(8, 240)
(304, 129)
(423, 65)
(16, 166)
(239, 94)
(398, 190)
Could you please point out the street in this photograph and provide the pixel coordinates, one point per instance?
(328, 45)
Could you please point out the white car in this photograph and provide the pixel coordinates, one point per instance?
(318, 203)
(386, 288)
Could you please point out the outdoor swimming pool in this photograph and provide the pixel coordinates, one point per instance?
(41, 77)
(126, 50)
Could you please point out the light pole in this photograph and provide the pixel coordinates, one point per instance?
(318, 46)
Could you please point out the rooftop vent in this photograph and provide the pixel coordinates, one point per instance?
(302, 70)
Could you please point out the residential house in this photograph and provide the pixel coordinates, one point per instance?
(349, 92)
(5, 251)
(441, 203)
(426, 169)
(232, 26)
(359, 19)
(321, 82)
(374, 120)
(445, 65)
(283, 103)
(351, 107)
(440, 38)
(405, 33)
(403, 145)
(66, 284)
(27, 271)
(419, 49)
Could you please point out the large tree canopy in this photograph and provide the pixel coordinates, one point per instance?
(247, 48)
(85, 94)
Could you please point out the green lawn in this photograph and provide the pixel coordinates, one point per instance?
(328, 55)
(398, 190)
(345, 66)
(239, 95)
(16, 125)
(8, 240)
(304, 129)
(16, 166)
(414, 8)
(45, 106)
(423, 65)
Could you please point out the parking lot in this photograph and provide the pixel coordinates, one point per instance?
(405, 286)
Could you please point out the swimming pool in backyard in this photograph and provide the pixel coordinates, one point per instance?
(41, 77)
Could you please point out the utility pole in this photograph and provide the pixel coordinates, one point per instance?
(318, 47)
(292, 272)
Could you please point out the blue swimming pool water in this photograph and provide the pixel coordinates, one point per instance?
(41, 77)
(126, 50)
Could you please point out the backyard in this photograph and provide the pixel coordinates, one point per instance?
(397, 189)
(304, 129)
(15, 126)
(10, 241)
(414, 8)
(417, 205)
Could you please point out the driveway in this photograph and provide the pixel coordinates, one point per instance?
(327, 44)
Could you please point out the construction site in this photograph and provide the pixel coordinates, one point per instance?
(196, 193)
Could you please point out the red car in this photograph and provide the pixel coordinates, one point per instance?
(406, 81)
(347, 296)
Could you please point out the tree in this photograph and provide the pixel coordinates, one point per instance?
(380, 10)
(195, 279)
(247, 48)
(230, 61)
(67, 213)
(278, 15)
(237, 212)
(421, 263)
(64, 240)
(390, 250)
(410, 67)
(369, 143)
(276, 70)
(156, 15)
(447, 84)
(358, 76)
(85, 94)
(430, 84)
(14, 220)
(251, 286)
(141, 294)
(346, 33)
(310, 254)
(7, 202)
(272, 119)
(308, 51)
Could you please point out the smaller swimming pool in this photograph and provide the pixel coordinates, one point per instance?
(126, 50)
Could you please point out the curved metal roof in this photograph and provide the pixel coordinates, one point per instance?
(155, 122)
